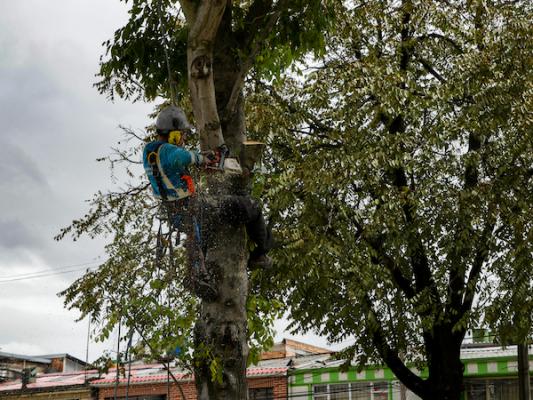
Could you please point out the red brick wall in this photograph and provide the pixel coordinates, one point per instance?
(152, 390)
(278, 383)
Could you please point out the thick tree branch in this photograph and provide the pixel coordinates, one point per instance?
(390, 264)
(255, 18)
(418, 257)
(429, 68)
(189, 9)
(463, 249)
(256, 38)
(481, 255)
(203, 24)
(389, 355)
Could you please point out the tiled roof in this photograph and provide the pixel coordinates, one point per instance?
(152, 378)
(257, 371)
(158, 374)
(55, 380)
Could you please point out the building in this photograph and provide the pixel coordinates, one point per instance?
(288, 348)
(13, 365)
(267, 380)
(491, 373)
(304, 373)
(57, 386)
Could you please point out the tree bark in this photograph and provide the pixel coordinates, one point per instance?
(445, 381)
(221, 330)
(523, 372)
(221, 337)
(203, 19)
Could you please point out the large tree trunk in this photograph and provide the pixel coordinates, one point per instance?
(445, 381)
(221, 337)
(443, 351)
(221, 329)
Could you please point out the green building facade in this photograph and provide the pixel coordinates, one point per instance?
(491, 373)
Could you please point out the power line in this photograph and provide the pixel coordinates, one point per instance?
(46, 270)
(44, 274)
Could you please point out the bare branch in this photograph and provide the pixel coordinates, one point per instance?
(389, 355)
(441, 37)
(430, 69)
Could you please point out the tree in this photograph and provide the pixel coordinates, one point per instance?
(403, 182)
(212, 45)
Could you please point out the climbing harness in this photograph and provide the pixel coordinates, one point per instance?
(162, 180)
(181, 209)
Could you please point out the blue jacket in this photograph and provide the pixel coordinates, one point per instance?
(172, 161)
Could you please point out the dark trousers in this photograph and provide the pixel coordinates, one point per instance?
(246, 210)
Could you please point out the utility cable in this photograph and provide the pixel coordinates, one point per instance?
(42, 275)
(2, 277)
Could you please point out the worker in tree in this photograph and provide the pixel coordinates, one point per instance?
(166, 163)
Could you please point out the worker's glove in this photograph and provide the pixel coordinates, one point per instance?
(211, 158)
(209, 154)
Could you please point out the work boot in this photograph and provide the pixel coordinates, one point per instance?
(259, 261)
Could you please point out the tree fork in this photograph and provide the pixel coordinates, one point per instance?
(221, 337)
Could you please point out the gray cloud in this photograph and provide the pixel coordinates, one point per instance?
(53, 126)
(18, 169)
(14, 234)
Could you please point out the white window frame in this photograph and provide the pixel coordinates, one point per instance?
(350, 388)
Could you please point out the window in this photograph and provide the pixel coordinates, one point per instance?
(339, 392)
(352, 391)
(320, 392)
(493, 389)
(261, 394)
(361, 391)
(380, 391)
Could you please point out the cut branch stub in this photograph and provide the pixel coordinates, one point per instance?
(201, 67)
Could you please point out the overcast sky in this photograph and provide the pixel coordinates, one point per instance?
(54, 126)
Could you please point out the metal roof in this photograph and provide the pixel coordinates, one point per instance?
(483, 352)
(35, 359)
(471, 353)
(63, 355)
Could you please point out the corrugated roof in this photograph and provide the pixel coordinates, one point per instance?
(479, 353)
(280, 371)
(489, 352)
(35, 359)
(156, 376)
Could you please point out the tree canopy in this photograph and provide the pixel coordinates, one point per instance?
(402, 179)
(399, 174)
(141, 285)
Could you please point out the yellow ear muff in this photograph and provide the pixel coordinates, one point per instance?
(174, 137)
